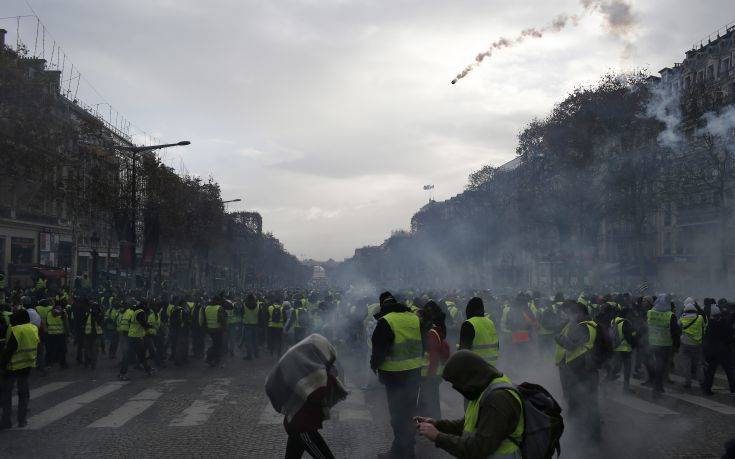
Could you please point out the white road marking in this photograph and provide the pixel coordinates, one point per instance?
(43, 390)
(200, 410)
(135, 406)
(68, 407)
(640, 405)
(269, 416)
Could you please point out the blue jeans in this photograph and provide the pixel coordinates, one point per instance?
(250, 339)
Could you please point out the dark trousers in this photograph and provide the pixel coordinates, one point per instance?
(214, 353)
(622, 360)
(9, 380)
(180, 347)
(582, 398)
(402, 393)
(232, 338)
(136, 353)
(91, 345)
(310, 442)
(197, 342)
(56, 350)
(275, 340)
(692, 353)
(661, 361)
(113, 339)
(429, 405)
(714, 358)
(250, 340)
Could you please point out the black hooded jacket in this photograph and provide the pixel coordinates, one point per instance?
(499, 412)
(475, 308)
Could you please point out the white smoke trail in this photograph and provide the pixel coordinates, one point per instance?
(618, 19)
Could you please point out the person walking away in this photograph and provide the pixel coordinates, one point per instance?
(663, 337)
(624, 341)
(57, 329)
(250, 321)
(299, 321)
(275, 329)
(493, 423)
(123, 326)
(578, 373)
(152, 340)
(112, 315)
(691, 324)
(197, 331)
(92, 334)
(478, 332)
(436, 355)
(16, 361)
(303, 386)
(234, 324)
(397, 357)
(179, 326)
(214, 319)
(136, 344)
(717, 350)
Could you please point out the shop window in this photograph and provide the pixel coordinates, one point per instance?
(21, 250)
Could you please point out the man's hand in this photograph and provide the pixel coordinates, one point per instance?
(428, 430)
(420, 419)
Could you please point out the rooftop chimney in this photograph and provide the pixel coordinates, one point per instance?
(54, 80)
(2, 38)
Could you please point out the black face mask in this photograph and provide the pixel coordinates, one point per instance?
(465, 394)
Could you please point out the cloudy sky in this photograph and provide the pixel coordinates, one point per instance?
(328, 116)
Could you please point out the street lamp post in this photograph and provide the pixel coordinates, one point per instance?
(94, 241)
(134, 150)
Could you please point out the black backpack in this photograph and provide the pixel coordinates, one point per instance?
(276, 314)
(603, 349)
(543, 422)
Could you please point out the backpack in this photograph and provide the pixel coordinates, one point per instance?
(276, 314)
(603, 349)
(543, 422)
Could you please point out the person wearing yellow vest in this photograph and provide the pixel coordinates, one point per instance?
(250, 321)
(214, 319)
(493, 422)
(435, 357)
(112, 314)
(276, 321)
(692, 330)
(579, 376)
(397, 357)
(17, 359)
(93, 319)
(234, 321)
(478, 332)
(153, 337)
(663, 337)
(299, 320)
(178, 322)
(57, 329)
(624, 341)
(136, 344)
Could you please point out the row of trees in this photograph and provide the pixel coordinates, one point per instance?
(601, 195)
(62, 167)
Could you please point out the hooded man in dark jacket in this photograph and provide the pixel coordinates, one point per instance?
(493, 421)
(397, 357)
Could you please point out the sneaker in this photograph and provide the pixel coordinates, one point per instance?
(123, 377)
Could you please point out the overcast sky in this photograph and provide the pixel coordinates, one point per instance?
(328, 116)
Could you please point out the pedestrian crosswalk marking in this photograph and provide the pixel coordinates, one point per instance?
(133, 407)
(640, 405)
(45, 389)
(68, 407)
(201, 409)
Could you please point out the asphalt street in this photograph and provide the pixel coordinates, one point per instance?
(197, 411)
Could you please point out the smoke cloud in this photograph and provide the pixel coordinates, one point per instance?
(618, 16)
(665, 107)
